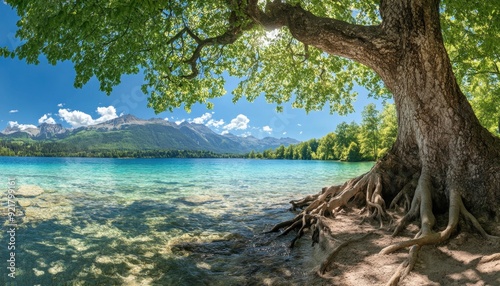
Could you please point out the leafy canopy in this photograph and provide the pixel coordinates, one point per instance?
(185, 49)
(471, 32)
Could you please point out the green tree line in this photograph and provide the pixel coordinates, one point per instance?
(349, 142)
(27, 148)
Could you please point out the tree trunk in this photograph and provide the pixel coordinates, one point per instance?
(443, 160)
(438, 133)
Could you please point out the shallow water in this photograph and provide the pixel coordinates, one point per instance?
(159, 221)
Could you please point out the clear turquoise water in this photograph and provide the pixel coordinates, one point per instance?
(161, 221)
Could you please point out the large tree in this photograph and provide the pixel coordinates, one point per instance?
(312, 53)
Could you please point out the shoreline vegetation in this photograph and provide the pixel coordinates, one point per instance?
(349, 142)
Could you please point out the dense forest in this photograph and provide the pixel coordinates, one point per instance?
(349, 142)
(29, 148)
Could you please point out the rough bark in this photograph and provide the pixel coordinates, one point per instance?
(443, 161)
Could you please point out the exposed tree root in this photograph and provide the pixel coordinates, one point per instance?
(489, 258)
(329, 260)
(405, 267)
(415, 196)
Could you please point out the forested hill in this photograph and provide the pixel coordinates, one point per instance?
(129, 135)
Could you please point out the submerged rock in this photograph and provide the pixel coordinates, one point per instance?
(29, 191)
(24, 202)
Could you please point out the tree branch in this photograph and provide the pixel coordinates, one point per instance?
(236, 28)
(368, 45)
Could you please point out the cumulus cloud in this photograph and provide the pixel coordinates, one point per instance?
(78, 118)
(46, 119)
(13, 111)
(208, 120)
(106, 113)
(238, 123)
(215, 123)
(21, 127)
(60, 105)
(202, 119)
(179, 122)
(267, 129)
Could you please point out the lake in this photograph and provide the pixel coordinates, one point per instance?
(86, 221)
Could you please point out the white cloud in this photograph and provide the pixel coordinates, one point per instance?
(300, 132)
(298, 124)
(215, 123)
(20, 127)
(284, 133)
(246, 134)
(178, 122)
(13, 111)
(202, 119)
(267, 129)
(224, 132)
(46, 119)
(238, 123)
(106, 113)
(60, 105)
(78, 118)
(208, 120)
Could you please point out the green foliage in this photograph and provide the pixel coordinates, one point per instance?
(325, 149)
(345, 133)
(280, 152)
(370, 134)
(388, 127)
(471, 31)
(352, 153)
(184, 48)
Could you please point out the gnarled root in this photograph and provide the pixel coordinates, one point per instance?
(422, 202)
(365, 190)
(331, 199)
(415, 195)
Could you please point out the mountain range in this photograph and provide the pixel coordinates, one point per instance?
(128, 132)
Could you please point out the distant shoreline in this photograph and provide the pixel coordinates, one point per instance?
(183, 154)
(126, 154)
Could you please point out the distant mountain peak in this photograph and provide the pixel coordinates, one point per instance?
(124, 119)
(48, 130)
(131, 132)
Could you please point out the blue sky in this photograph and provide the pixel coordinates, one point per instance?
(32, 94)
